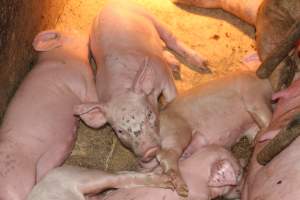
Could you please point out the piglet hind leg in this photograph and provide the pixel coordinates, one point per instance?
(194, 60)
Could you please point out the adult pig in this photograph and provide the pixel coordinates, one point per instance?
(38, 130)
(132, 71)
(272, 19)
(279, 179)
(210, 172)
(217, 112)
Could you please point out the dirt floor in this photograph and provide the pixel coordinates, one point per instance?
(219, 36)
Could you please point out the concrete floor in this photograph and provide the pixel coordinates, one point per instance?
(219, 36)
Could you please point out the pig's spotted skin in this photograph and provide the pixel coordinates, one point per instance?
(135, 122)
(132, 123)
(8, 163)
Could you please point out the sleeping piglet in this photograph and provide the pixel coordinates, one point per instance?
(217, 112)
(210, 172)
(132, 71)
(39, 128)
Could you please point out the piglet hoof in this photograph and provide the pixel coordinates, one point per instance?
(181, 189)
(180, 186)
(160, 181)
(199, 64)
(176, 74)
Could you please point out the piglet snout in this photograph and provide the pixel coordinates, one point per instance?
(150, 154)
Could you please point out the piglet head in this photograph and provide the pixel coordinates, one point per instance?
(135, 121)
(133, 115)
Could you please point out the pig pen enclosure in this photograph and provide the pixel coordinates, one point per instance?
(222, 38)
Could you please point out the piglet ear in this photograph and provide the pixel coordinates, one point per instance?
(144, 80)
(92, 114)
(47, 40)
(222, 174)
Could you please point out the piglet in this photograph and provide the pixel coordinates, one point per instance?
(210, 172)
(132, 71)
(39, 128)
(218, 112)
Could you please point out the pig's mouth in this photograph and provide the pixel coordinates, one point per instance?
(150, 154)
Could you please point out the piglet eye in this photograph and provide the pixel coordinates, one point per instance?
(120, 131)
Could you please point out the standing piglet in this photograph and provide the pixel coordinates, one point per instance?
(280, 178)
(132, 71)
(210, 172)
(217, 112)
(39, 128)
(272, 19)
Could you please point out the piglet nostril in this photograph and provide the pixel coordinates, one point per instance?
(150, 153)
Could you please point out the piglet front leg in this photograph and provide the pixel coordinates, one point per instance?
(175, 135)
(168, 160)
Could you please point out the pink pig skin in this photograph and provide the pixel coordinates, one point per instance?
(126, 43)
(72, 183)
(280, 178)
(286, 108)
(218, 112)
(211, 171)
(38, 130)
(244, 9)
